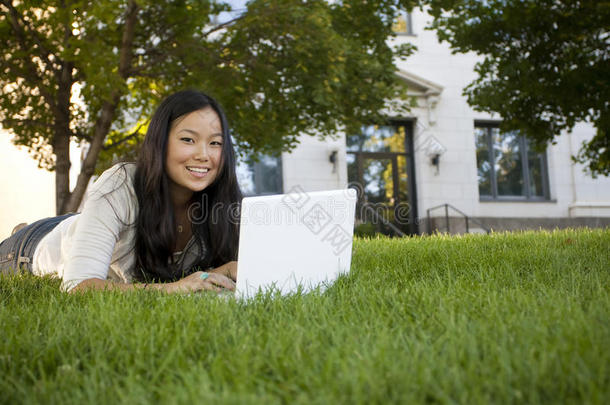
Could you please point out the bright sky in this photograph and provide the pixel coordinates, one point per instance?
(238, 6)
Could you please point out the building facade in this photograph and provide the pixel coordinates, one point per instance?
(445, 166)
(28, 192)
(441, 167)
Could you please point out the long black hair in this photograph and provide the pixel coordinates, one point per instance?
(217, 233)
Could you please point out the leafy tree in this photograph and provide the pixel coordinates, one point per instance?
(546, 65)
(92, 71)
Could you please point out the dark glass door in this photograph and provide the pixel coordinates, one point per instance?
(380, 166)
(384, 189)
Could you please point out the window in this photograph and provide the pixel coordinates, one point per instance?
(379, 138)
(261, 177)
(507, 168)
(403, 24)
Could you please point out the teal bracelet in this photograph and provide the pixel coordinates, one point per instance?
(204, 275)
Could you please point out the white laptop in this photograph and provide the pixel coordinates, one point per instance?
(293, 241)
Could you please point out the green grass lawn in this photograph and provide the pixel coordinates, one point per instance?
(505, 318)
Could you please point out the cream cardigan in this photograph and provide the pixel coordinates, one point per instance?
(99, 242)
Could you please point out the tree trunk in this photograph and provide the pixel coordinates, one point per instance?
(61, 148)
(108, 111)
(102, 126)
(61, 139)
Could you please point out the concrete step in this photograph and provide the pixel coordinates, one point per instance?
(477, 230)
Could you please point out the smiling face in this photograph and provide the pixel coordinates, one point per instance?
(194, 152)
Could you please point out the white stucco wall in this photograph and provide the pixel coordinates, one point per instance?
(309, 167)
(573, 193)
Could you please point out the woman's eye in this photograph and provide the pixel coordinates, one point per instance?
(187, 139)
(217, 143)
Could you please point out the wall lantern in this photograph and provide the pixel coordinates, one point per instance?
(435, 160)
(332, 158)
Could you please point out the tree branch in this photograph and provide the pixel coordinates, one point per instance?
(127, 41)
(126, 138)
(107, 113)
(223, 25)
(16, 17)
(137, 70)
(32, 70)
(10, 122)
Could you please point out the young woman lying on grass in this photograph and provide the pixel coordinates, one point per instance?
(145, 225)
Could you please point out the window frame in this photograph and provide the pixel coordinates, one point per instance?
(258, 181)
(254, 169)
(523, 152)
(408, 124)
(409, 23)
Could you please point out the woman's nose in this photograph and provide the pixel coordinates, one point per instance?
(202, 153)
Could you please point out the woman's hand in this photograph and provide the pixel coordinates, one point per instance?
(228, 269)
(215, 281)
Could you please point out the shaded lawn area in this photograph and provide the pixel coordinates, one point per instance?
(522, 317)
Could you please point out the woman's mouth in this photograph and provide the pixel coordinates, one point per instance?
(198, 172)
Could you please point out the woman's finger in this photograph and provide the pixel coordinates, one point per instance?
(211, 287)
(221, 281)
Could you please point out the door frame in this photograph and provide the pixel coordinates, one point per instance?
(409, 155)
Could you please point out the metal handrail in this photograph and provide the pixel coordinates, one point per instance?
(466, 217)
(385, 221)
